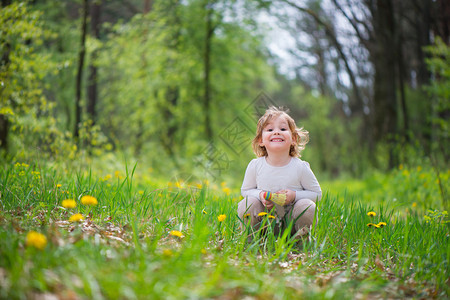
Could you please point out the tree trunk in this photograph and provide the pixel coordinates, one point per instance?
(79, 77)
(401, 80)
(422, 33)
(4, 129)
(148, 6)
(171, 90)
(207, 72)
(383, 58)
(4, 121)
(92, 81)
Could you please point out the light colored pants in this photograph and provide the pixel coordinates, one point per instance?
(250, 207)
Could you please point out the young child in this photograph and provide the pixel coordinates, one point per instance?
(278, 170)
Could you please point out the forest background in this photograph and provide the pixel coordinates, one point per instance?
(177, 86)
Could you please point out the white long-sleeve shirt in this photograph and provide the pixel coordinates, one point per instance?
(296, 176)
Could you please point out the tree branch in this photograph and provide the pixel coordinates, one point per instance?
(332, 36)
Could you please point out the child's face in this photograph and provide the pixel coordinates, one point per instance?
(276, 136)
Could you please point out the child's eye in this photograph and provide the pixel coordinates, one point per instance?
(283, 129)
(269, 129)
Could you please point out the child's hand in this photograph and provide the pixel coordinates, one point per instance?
(268, 204)
(290, 196)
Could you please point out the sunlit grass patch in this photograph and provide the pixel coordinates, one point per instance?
(408, 188)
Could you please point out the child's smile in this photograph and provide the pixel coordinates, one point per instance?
(277, 140)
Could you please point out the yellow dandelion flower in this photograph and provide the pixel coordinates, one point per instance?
(179, 184)
(76, 218)
(89, 200)
(221, 218)
(107, 177)
(59, 185)
(227, 191)
(199, 186)
(203, 251)
(36, 240)
(414, 204)
(373, 225)
(25, 165)
(382, 224)
(141, 192)
(271, 217)
(371, 214)
(117, 174)
(246, 215)
(69, 203)
(167, 252)
(262, 214)
(176, 233)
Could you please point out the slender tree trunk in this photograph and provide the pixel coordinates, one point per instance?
(383, 58)
(4, 121)
(79, 77)
(171, 90)
(401, 79)
(422, 33)
(4, 130)
(148, 6)
(92, 94)
(207, 71)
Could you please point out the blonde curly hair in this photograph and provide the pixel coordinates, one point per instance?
(300, 136)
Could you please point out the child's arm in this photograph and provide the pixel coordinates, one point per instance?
(311, 188)
(249, 184)
(249, 187)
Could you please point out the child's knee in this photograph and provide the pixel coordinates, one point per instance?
(249, 206)
(248, 210)
(304, 209)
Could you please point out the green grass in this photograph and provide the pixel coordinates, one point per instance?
(123, 249)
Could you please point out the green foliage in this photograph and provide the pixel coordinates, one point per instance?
(156, 85)
(23, 73)
(23, 67)
(439, 90)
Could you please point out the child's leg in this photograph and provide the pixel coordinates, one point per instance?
(303, 224)
(249, 208)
